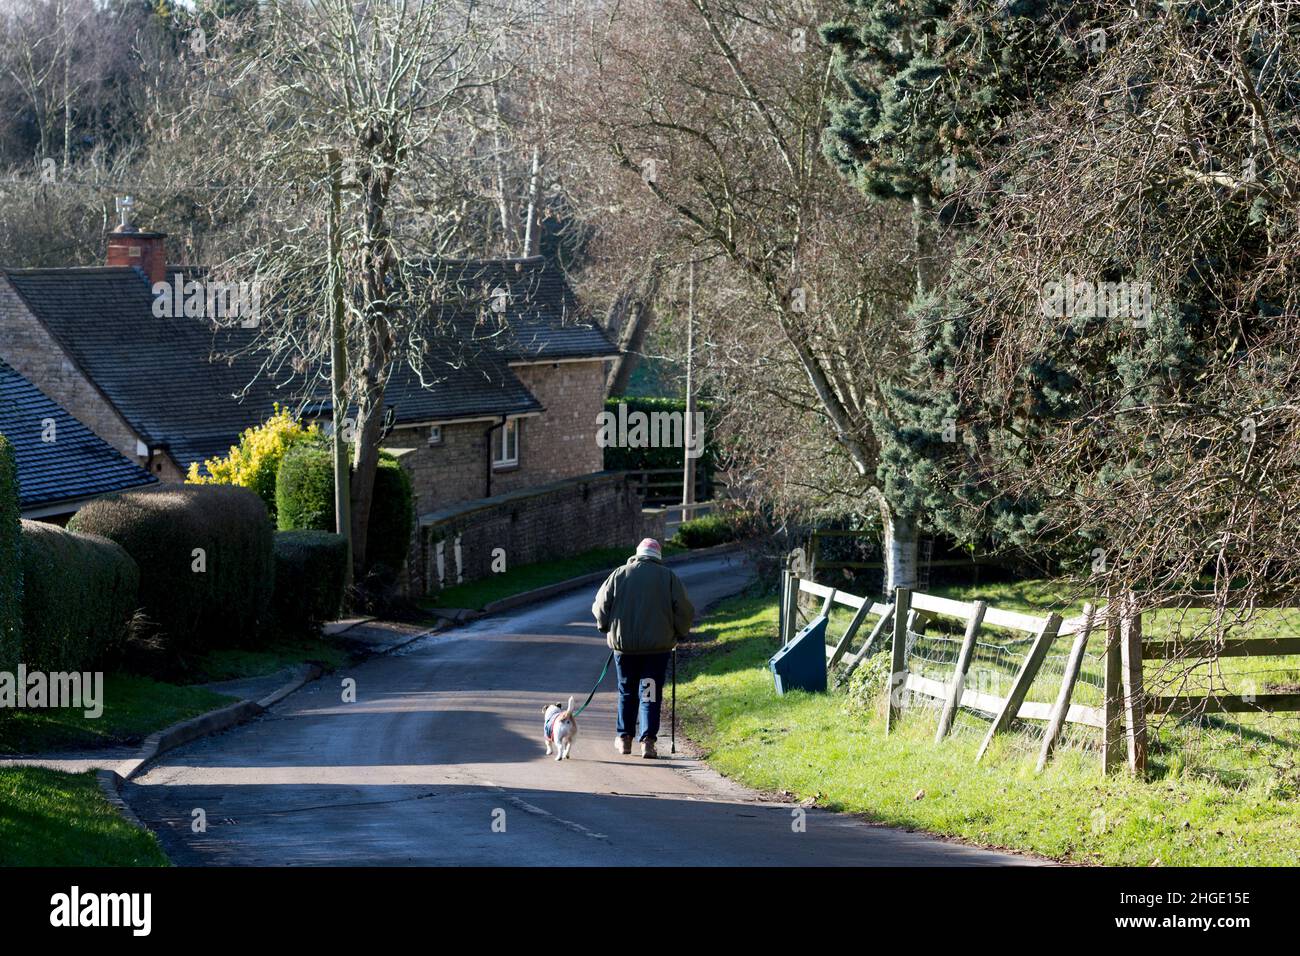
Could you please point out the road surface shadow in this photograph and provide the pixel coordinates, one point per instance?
(484, 825)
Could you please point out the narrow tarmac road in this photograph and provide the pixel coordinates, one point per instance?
(444, 741)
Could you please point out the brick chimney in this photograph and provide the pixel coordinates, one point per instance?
(128, 246)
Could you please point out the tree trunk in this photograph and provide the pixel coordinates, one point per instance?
(67, 91)
(532, 227)
(637, 315)
(502, 196)
(370, 422)
(899, 548)
(925, 244)
(378, 348)
(369, 433)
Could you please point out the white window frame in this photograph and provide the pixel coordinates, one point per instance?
(435, 434)
(501, 450)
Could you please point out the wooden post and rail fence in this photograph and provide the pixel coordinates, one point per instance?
(663, 486)
(1126, 703)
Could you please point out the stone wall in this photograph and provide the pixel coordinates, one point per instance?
(451, 472)
(600, 510)
(561, 443)
(654, 524)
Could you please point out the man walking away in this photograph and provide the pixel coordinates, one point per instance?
(643, 610)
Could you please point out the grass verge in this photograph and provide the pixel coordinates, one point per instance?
(833, 748)
(479, 594)
(134, 707)
(48, 818)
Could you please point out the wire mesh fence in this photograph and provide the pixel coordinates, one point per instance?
(1254, 744)
(1196, 691)
(996, 659)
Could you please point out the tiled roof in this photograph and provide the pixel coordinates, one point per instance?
(185, 385)
(538, 317)
(158, 372)
(461, 379)
(76, 464)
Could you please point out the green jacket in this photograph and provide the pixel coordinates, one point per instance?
(642, 608)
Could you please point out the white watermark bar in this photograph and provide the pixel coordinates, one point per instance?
(638, 429)
(1084, 299)
(39, 690)
(77, 908)
(208, 300)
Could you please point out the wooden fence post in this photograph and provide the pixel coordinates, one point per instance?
(847, 638)
(791, 606)
(1112, 752)
(959, 672)
(780, 602)
(1068, 679)
(1135, 719)
(1020, 687)
(898, 656)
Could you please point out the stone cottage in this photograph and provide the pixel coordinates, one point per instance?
(512, 408)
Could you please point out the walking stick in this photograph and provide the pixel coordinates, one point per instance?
(674, 708)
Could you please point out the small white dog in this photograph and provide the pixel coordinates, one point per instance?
(560, 727)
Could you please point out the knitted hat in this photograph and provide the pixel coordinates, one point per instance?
(649, 548)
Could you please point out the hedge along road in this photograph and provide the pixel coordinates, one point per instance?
(444, 740)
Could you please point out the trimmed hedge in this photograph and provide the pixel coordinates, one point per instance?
(310, 575)
(225, 604)
(304, 489)
(710, 530)
(79, 595)
(392, 518)
(11, 568)
(637, 459)
(304, 496)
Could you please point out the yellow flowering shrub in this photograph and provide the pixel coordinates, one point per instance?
(253, 463)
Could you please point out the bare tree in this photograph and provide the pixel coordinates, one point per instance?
(710, 114)
(66, 72)
(387, 84)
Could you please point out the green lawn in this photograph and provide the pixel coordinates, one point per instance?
(832, 747)
(478, 594)
(134, 707)
(48, 818)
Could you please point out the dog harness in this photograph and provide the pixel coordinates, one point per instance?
(549, 723)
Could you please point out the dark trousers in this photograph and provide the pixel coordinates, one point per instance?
(632, 670)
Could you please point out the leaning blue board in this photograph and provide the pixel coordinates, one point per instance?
(801, 664)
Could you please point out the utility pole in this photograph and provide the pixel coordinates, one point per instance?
(688, 470)
(338, 357)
